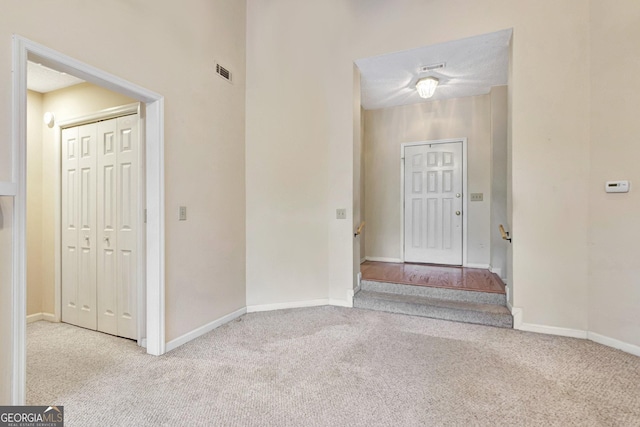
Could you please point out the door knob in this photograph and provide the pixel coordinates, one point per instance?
(106, 239)
(458, 195)
(458, 213)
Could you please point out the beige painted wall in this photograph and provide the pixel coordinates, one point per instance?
(299, 160)
(614, 220)
(499, 156)
(34, 203)
(67, 103)
(386, 129)
(172, 50)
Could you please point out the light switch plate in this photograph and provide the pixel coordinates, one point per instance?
(476, 197)
(183, 213)
(341, 214)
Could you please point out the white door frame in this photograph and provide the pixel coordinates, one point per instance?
(464, 191)
(154, 148)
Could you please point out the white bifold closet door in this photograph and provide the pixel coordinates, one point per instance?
(100, 206)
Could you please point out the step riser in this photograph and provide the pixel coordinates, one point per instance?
(430, 292)
(488, 319)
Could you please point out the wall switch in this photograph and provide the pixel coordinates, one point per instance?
(476, 197)
(341, 214)
(183, 213)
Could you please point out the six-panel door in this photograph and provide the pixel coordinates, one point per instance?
(433, 203)
(99, 262)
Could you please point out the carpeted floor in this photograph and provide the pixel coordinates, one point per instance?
(330, 366)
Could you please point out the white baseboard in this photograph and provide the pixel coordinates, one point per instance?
(612, 342)
(482, 266)
(341, 302)
(34, 317)
(285, 305)
(572, 333)
(49, 317)
(552, 330)
(41, 316)
(516, 312)
(383, 259)
(204, 329)
(363, 259)
(497, 271)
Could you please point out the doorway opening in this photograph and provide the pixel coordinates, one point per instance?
(425, 247)
(24, 50)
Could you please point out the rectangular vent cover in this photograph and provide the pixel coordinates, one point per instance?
(432, 67)
(223, 72)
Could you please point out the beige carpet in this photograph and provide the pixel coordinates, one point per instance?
(331, 366)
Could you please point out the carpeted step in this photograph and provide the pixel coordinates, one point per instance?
(460, 311)
(433, 292)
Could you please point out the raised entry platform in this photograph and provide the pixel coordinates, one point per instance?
(451, 293)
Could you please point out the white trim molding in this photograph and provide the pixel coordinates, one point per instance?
(497, 271)
(24, 49)
(516, 312)
(571, 333)
(612, 342)
(8, 189)
(285, 305)
(41, 316)
(198, 332)
(383, 259)
(552, 330)
(481, 266)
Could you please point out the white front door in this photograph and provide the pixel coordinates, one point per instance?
(433, 203)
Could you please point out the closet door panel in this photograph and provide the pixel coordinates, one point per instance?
(87, 136)
(127, 224)
(69, 231)
(107, 236)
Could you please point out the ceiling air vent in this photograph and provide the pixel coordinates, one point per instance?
(432, 67)
(223, 72)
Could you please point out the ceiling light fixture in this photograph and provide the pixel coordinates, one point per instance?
(426, 86)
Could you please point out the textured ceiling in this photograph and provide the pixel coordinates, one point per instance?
(473, 66)
(42, 79)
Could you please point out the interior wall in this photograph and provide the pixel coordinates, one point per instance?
(204, 130)
(499, 153)
(35, 277)
(67, 103)
(295, 156)
(614, 228)
(386, 129)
